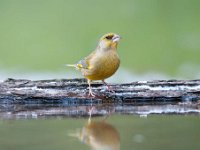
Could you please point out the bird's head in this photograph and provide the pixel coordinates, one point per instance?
(109, 40)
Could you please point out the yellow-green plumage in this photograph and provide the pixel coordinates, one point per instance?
(101, 63)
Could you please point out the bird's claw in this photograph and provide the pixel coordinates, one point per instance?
(110, 89)
(91, 93)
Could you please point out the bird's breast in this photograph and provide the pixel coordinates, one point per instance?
(102, 66)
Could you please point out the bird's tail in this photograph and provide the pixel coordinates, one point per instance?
(70, 65)
(73, 65)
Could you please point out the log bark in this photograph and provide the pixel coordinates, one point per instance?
(75, 91)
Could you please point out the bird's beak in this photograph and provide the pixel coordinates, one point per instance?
(116, 38)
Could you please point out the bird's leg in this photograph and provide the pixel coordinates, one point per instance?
(108, 86)
(90, 89)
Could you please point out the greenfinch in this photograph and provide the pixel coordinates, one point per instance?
(102, 63)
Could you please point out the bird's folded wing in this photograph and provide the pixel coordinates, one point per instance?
(82, 64)
(85, 63)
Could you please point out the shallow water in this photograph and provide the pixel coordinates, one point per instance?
(64, 130)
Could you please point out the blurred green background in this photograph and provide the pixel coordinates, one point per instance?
(158, 35)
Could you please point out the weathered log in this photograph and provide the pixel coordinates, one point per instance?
(75, 91)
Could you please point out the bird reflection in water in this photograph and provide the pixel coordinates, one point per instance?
(99, 135)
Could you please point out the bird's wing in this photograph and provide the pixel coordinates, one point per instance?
(82, 64)
(85, 63)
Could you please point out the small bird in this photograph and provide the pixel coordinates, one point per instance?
(102, 63)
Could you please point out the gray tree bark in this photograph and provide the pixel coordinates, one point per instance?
(75, 91)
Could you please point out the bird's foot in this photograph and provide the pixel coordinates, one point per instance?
(91, 94)
(109, 88)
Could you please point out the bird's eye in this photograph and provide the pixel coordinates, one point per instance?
(109, 37)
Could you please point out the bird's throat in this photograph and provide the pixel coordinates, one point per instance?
(114, 45)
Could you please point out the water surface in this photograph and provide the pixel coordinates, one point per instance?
(152, 131)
